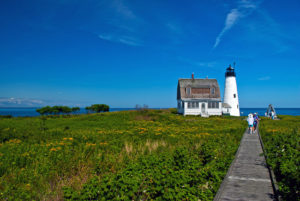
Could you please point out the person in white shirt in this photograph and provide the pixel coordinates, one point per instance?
(250, 120)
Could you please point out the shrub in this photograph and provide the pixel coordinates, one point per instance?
(281, 140)
(98, 108)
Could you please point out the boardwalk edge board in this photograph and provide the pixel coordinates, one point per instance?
(272, 175)
(223, 184)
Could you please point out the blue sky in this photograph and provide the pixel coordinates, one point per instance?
(124, 53)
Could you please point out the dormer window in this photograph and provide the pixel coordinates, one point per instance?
(188, 91)
(213, 90)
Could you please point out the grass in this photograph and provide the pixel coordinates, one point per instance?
(282, 143)
(129, 155)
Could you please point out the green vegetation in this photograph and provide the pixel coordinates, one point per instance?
(98, 108)
(281, 139)
(57, 110)
(130, 155)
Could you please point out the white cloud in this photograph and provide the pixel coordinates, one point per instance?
(231, 19)
(19, 102)
(127, 40)
(244, 8)
(208, 64)
(124, 23)
(123, 9)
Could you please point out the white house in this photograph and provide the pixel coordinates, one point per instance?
(199, 97)
(202, 96)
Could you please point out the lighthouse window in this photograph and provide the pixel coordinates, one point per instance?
(234, 95)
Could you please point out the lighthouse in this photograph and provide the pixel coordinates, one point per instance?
(231, 95)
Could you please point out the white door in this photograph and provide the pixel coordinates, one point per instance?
(203, 108)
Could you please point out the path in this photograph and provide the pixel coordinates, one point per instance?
(248, 177)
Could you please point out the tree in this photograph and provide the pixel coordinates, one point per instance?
(54, 110)
(44, 110)
(65, 109)
(98, 108)
(75, 109)
(88, 109)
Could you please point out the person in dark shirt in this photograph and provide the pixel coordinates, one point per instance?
(255, 123)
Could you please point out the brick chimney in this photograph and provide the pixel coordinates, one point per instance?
(192, 76)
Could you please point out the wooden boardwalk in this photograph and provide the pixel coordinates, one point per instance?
(248, 177)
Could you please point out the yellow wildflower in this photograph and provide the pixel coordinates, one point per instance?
(53, 149)
(90, 144)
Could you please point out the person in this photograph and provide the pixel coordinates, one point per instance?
(250, 121)
(272, 115)
(255, 123)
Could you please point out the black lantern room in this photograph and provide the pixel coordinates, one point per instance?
(230, 72)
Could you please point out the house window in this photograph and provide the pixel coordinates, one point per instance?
(213, 90)
(213, 104)
(188, 91)
(234, 95)
(237, 106)
(193, 104)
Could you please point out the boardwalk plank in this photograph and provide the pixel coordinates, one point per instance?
(248, 177)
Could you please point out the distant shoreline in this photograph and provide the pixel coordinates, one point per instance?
(31, 111)
(151, 108)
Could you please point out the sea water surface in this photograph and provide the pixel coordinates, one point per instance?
(31, 112)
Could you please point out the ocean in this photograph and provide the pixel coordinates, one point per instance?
(31, 112)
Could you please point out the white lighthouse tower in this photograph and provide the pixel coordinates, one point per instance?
(231, 95)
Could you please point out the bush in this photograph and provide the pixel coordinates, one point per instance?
(56, 110)
(281, 140)
(113, 156)
(98, 108)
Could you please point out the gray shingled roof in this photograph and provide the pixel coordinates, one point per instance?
(198, 83)
(226, 105)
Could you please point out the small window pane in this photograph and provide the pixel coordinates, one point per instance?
(188, 91)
